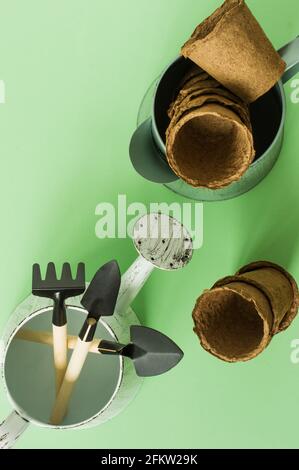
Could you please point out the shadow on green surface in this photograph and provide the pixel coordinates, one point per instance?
(270, 226)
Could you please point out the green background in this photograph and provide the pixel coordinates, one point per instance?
(75, 73)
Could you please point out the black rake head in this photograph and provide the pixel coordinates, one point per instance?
(67, 286)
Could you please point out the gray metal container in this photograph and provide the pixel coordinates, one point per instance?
(147, 147)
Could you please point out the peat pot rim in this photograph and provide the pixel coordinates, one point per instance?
(262, 327)
(161, 145)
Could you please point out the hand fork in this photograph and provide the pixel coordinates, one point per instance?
(58, 290)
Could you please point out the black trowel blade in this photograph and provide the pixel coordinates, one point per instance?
(153, 353)
(101, 295)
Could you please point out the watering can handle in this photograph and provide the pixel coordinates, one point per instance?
(146, 158)
(11, 429)
(290, 54)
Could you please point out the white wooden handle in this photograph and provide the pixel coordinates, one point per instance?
(60, 353)
(71, 376)
(44, 337)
